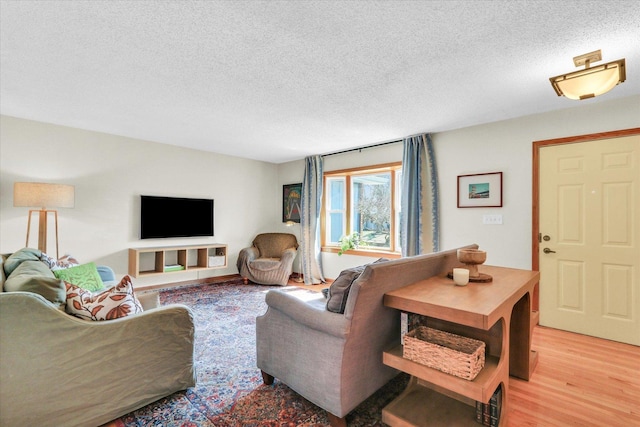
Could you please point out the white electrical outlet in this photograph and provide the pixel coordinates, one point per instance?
(492, 219)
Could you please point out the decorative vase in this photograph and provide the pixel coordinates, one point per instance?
(471, 258)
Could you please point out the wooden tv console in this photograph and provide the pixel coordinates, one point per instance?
(155, 260)
(498, 313)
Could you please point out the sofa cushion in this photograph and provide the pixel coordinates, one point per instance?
(116, 302)
(85, 276)
(16, 258)
(266, 264)
(35, 276)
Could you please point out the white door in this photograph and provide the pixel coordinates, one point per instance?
(590, 229)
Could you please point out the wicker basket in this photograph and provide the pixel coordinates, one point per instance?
(446, 352)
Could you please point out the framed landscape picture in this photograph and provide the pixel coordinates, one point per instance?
(291, 195)
(480, 190)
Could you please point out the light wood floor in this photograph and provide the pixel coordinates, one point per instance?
(579, 381)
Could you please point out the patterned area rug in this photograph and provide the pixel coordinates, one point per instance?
(229, 390)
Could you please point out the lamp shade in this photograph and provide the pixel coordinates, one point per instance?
(38, 194)
(590, 82)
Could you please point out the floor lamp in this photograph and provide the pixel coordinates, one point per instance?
(37, 194)
(298, 279)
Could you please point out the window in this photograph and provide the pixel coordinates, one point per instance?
(364, 201)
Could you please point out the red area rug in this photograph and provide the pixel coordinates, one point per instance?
(229, 389)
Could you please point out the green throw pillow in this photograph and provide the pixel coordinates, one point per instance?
(85, 276)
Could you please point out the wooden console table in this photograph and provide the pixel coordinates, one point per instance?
(498, 313)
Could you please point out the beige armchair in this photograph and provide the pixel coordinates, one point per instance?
(269, 261)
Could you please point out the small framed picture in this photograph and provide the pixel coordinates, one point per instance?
(482, 190)
(291, 194)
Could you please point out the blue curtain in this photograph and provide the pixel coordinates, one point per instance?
(311, 201)
(419, 221)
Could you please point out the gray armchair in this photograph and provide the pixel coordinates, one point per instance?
(269, 261)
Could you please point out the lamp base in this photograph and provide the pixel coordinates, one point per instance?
(42, 228)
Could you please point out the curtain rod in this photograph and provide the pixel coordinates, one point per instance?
(362, 148)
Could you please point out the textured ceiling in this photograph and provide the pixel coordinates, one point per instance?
(280, 80)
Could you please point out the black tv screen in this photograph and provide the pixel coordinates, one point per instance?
(165, 217)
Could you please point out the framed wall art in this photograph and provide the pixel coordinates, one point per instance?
(482, 190)
(291, 195)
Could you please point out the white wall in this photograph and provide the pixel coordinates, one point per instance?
(110, 172)
(505, 147)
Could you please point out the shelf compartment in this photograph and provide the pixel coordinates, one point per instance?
(480, 388)
(202, 257)
(183, 258)
(216, 257)
(421, 406)
(159, 264)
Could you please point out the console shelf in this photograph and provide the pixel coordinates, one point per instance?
(478, 389)
(421, 406)
(154, 260)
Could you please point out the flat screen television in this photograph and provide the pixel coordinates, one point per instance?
(166, 217)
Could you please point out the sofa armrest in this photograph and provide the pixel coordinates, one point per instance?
(249, 254)
(308, 308)
(288, 256)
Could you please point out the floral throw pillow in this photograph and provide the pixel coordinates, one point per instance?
(66, 261)
(113, 303)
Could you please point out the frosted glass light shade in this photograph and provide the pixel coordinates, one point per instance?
(38, 194)
(591, 81)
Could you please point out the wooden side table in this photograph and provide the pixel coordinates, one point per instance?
(498, 313)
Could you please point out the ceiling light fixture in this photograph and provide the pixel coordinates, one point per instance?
(591, 81)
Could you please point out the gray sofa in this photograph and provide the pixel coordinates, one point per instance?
(335, 360)
(59, 370)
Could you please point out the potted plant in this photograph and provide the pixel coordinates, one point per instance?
(349, 242)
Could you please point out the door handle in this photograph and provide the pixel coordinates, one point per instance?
(548, 251)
